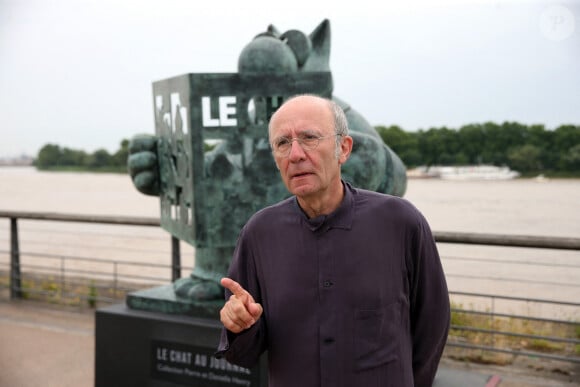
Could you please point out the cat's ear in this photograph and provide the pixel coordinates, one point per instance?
(319, 59)
(320, 37)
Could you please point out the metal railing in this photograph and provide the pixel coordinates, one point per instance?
(109, 286)
(63, 280)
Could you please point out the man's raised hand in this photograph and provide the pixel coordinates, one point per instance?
(240, 312)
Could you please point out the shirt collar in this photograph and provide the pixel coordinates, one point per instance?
(339, 218)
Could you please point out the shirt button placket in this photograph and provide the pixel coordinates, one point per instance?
(327, 310)
(328, 350)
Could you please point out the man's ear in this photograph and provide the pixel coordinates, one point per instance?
(345, 149)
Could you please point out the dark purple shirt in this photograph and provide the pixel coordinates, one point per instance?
(356, 298)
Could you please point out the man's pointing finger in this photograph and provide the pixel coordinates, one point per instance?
(234, 287)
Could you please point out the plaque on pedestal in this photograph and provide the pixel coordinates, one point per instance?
(141, 348)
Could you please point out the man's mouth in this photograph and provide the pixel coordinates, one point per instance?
(301, 174)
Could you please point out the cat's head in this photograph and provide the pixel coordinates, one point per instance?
(291, 51)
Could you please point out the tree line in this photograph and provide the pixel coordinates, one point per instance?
(52, 156)
(530, 150)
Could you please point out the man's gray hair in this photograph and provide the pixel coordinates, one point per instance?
(340, 125)
(340, 121)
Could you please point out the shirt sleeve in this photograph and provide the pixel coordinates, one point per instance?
(430, 310)
(244, 348)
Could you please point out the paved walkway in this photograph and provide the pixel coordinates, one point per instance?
(49, 346)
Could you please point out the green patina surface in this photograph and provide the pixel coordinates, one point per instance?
(206, 197)
(164, 300)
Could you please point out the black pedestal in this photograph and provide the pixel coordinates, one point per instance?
(139, 348)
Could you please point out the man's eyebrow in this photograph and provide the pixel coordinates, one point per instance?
(305, 131)
(310, 131)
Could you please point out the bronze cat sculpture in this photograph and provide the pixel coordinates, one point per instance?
(237, 188)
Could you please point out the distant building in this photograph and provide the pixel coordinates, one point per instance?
(22, 160)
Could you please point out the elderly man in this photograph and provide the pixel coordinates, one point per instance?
(341, 286)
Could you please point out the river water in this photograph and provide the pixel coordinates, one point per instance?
(514, 207)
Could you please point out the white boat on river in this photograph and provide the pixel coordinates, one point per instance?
(476, 172)
(470, 172)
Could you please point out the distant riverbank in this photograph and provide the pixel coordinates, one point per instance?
(520, 206)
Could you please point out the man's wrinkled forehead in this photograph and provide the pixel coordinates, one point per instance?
(298, 113)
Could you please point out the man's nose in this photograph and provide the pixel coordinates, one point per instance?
(296, 150)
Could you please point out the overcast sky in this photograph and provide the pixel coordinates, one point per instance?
(79, 73)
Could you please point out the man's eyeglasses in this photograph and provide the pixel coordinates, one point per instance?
(308, 141)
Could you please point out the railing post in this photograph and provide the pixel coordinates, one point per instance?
(62, 280)
(15, 275)
(175, 259)
(492, 327)
(115, 269)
